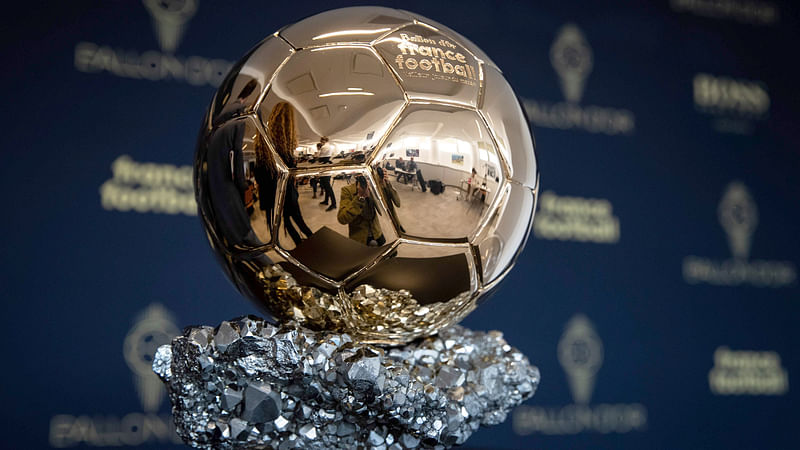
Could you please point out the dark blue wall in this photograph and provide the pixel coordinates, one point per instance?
(658, 294)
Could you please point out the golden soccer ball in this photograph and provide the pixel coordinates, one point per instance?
(366, 170)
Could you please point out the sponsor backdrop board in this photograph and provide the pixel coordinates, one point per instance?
(658, 293)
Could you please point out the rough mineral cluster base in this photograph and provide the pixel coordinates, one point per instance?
(249, 384)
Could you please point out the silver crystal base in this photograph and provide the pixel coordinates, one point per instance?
(249, 384)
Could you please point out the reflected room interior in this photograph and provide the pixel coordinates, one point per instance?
(355, 185)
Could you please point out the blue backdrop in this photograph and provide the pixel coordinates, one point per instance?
(658, 293)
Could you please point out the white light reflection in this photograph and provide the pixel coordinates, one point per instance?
(349, 33)
(333, 94)
(339, 47)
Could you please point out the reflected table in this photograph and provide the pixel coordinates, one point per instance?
(406, 176)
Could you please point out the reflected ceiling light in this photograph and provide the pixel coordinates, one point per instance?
(354, 89)
(349, 33)
(339, 47)
(332, 94)
(398, 40)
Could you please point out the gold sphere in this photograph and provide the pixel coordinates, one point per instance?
(367, 170)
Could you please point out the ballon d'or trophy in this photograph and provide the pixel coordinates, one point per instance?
(367, 177)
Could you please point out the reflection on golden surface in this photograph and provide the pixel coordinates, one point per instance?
(431, 65)
(366, 170)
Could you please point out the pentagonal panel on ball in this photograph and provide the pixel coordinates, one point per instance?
(330, 105)
(334, 222)
(431, 273)
(441, 164)
(247, 80)
(413, 290)
(345, 25)
(512, 132)
(432, 65)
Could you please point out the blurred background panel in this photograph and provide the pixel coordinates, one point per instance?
(658, 291)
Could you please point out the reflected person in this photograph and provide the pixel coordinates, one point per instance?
(357, 210)
(283, 134)
(266, 176)
(226, 180)
(314, 181)
(471, 182)
(392, 198)
(417, 172)
(324, 153)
